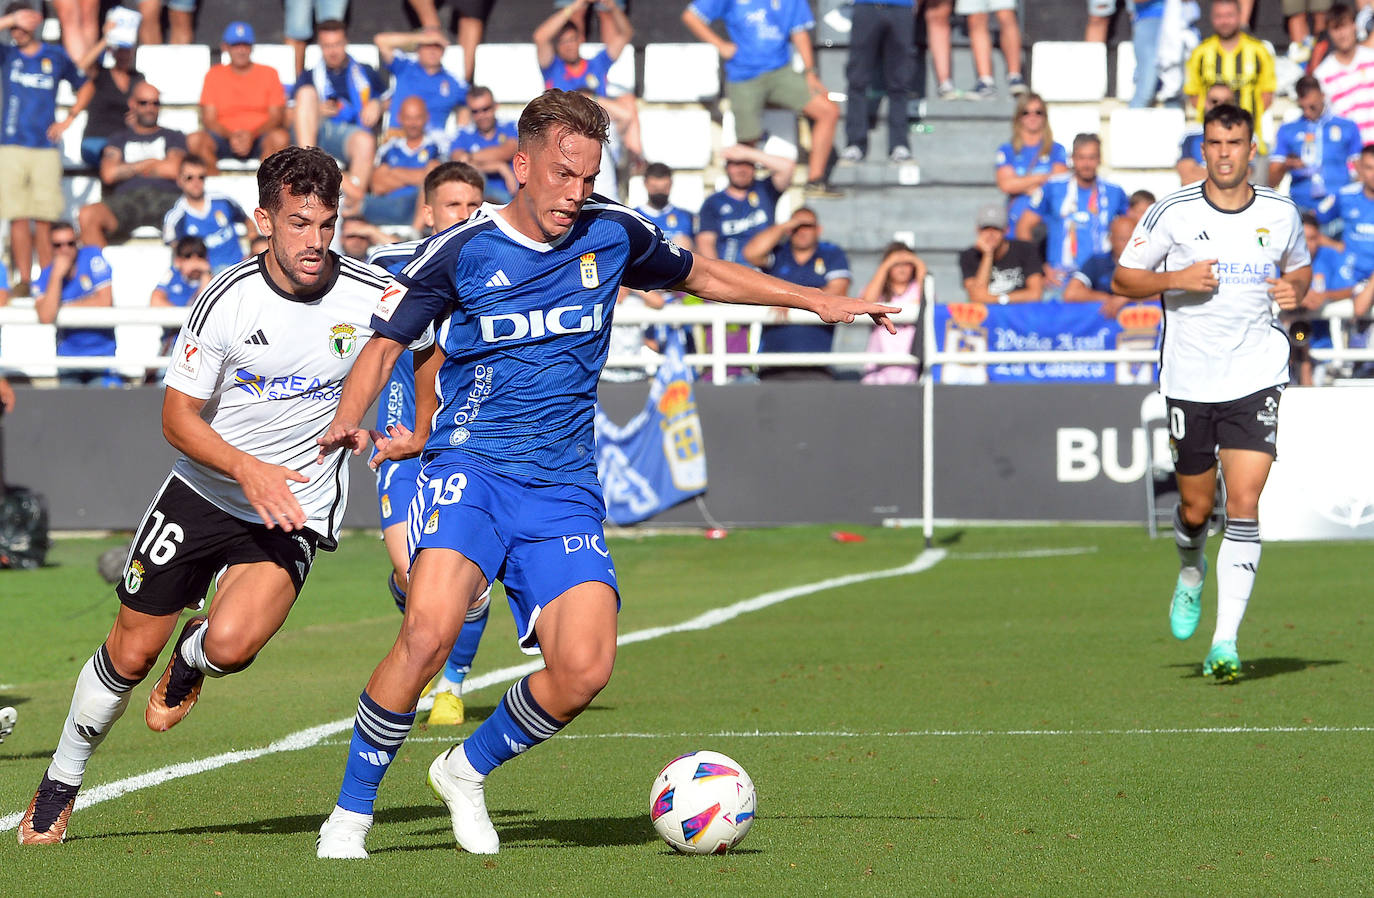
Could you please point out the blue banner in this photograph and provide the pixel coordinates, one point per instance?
(658, 459)
(1046, 326)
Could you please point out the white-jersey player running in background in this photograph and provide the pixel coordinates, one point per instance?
(452, 192)
(1222, 252)
(255, 378)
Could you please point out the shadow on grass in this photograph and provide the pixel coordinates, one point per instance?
(529, 831)
(1261, 668)
(945, 540)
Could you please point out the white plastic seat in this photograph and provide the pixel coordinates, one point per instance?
(278, 56)
(679, 138)
(681, 73)
(184, 120)
(135, 344)
(78, 191)
(30, 349)
(453, 62)
(71, 143)
(620, 78)
(1068, 120)
(367, 54)
(511, 71)
(1160, 183)
(135, 269)
(1145, 138)
(1125, 71)
(1069, 71)
(177, 70)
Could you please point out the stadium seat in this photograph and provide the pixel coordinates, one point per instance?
(367, 54)
(134, 345)
(681, 73)
(511, 71)
(71, 143)
(77, 191)
(1070, 119)
(278, 56)
(679, 138)
(29, 348)
(1125, 71)
(453, 62)
(620, 79)
(182, 119)
(178, 70)
(1145, 138)
(135, 269)
(242, 189)
(1069, 71)
(1160, 183)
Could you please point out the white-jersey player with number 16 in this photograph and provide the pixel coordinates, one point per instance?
(1223, 253)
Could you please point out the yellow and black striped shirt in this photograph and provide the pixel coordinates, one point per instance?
(1248, 70)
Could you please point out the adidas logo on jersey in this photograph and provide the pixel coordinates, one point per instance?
(258, 339)
(498, 280)
(376, 758)
(1202, 236)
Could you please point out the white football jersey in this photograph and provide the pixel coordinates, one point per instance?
(270, 367)
(1227, 344)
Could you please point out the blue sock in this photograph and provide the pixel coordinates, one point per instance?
(377, 736)
(517, 724)
(465, 649)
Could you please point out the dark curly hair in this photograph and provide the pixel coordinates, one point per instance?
(303, 171)
(1229, 115)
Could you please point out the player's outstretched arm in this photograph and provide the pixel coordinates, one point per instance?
(265, 486)
(727, 282)
(1138, 283)
(361, 388)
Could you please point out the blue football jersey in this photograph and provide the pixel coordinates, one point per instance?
(525, 327)
(1357, 210)
(441, 91)
(30, 91)
(734, 221)
(587, 74)
(397, 404)
(217, 226)
(89, 274)
(671, 220)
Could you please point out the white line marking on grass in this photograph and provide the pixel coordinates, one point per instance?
(1024, 553)
(313, 736)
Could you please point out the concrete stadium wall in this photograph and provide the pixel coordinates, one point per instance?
(776, 453)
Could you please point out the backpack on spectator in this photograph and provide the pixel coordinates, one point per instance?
(23, 528)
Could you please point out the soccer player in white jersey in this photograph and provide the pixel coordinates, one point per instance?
(256, 376)
(523, 296)
(452, 192)
(1223, 253)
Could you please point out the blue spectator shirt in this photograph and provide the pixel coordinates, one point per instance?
(1031, 160)
(1078, 219)
(441, 91)
(828, 263)
(671, 220)
(334, 84)
(30, 89)
(761, 30)
(1357, 211)
(1327, 148)
(1191, 148)
(1148, 9)
(179, 290)
(217, 227)
(1328, 270)
(734, 221)
(89, 274)
(470, 140)
(588, 74)
(398, 154)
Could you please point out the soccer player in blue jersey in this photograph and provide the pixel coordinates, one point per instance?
(452, 192)
(523, 297)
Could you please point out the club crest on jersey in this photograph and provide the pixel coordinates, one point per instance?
(1262, 236)
(133, 577)
(342, 339)
(590, 278)
(432, 525)
(386, 505)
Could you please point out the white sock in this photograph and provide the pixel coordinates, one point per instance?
(1237, 563)
(100, 697)
(193, 653)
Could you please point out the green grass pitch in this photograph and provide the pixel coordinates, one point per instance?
(1013, 720)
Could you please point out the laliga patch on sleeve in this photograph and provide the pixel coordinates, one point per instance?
(188, 358)
(391, 297)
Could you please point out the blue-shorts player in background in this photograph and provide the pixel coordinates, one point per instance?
(452, 192)
(522, 296)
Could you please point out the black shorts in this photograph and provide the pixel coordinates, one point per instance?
(184, 541)
(139, 207)
(473, 9)
(1198, 429)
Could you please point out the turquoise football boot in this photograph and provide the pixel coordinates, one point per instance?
(1186, 607)
(1222, 662)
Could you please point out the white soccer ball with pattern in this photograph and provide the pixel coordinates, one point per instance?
(702, 803)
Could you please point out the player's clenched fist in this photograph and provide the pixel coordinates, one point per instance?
(1199, 277)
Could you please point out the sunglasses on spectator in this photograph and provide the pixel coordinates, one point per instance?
(193, 177)
(478, 110)
(60, 244)
(147, 102)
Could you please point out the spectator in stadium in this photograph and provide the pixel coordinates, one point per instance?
(1235, 58)
(980, 40)
(747, 205)
(1356, 202)
(421, 74)
(558, 43)
(1124, 224)
(298, 20)
(1078, 211)
(402, 163)
(1190, 167)
(338, 104)
(189, 274)
(998, 270)
(758, 71)
(1146, 18)
(105, 95)
(883, 30)
(138, 173)
(1300, 31)
(242, 106)
(898, 281)
(213, 218)
(30, 163)
(181, 21)
(487, 145)
(794, 252)
(78, 276)
(1346, 73)
(472, 22)
(675, 223)
(1030, 158)
(1317, 150)
(940, 38)
(80, 24)
(360, 236)
(1330, 282)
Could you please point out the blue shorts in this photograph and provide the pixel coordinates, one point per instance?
(395, 490)
(538, 539)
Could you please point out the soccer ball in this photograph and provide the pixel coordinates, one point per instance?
(702, 803)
